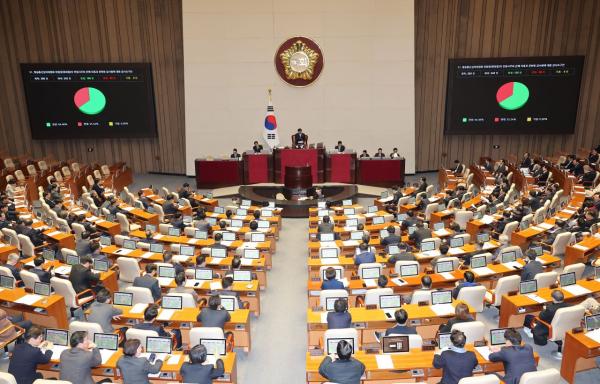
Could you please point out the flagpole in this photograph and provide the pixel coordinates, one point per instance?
(270, 95)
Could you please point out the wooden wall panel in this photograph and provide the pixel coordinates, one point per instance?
(496, 28)
(95, 31)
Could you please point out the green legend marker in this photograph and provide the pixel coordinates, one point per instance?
(464, 119)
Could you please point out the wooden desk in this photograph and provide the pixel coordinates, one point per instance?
(54, 312)
(185, 319)
(416, 365)
(169, 372)
(384, 172)
(511, 316)
(139, 215)
(64, 240)
(579, 354)
(583, 251)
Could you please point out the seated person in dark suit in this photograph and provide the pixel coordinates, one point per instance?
(540, 332)
(300, 139)
(457, 168)
(403, 255)
(469, 281)
(456, 363)
(195, 371)
(526, 162)
(562, 228)
(257, 148)
(103, 312)
(420, 234)
(150, 315)
(588, 177)
(461, 315)
(37, 269)
(82, 277)
(26, 356)
(149, 280)
(340, 147)
(76, 363)
(177, 221)
(133, 367)
(517, 357)
(344, 369)
(326, 225)
(170, 207)
(364, 155)
(533, 267)
(11, 263)
(214, 315)
(422, 187)
(392, 239)
(201, 223)
(401, 328)
(235, 155)
(340, 318)
(365, 255)
(395, 154)
(227, 290)
(34, 235)
(82, 246)
(217, 244)
(330, 281)
(379, 153)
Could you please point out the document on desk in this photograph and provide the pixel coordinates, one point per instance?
(488, 245)
(215, 285)
(447, 275)
(594, 335)
(166, 314)
(386, 199)
(487, 219)
(442, 309)
(568, 211)
(181, 258)
(29, 299)
(173, 359)
(576, 290)
(483, 271)
(138, 308)
(193, 241)
(328, 244)
(57, 350)
(536, 298)
(484, 352)
(399, 282)
(384, 362)
(456, 251)
(350, 243)
(370, 283)
(330, 261)
(226, 243)
(123, 251)
(433, 253)
(580, 247)
(158, 236)
(324, 317)
(147, 255)
(246, 262)
(441, 232)
(106, 354)
(545, 225)
(63, 270)
(513, 265)
(53, 233)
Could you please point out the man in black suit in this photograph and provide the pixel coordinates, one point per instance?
(37, 269)
(235, 155)
(196, 371)
(257, 148)
(340, 317)
(562, 228)
(26, 356)
(394, 154)
(392, 238)
(420, 234)
(96, 187)
(150, 315)
(364, 155)
(149, 281)
(526, 162)
(345, 369)
(227, 290)
(401, 328)
(533, 267)
(380, 153)
(403, 255)
(540, 332)
(422, 187)
(340, 147)
(300, 139)
(517, 357)
(457, 168)
(170, 207)
(82, 277)
(214, 315)
(456, 363)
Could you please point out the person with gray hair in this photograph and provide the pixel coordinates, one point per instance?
(345, 369)
(11, 263)
(539, 331)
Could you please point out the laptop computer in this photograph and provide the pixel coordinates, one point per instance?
(370, 273)
(389, 304)
(215, 349)
(48, 254)
(7, 282)
(395, 344)
(592, 322)
(497, 336)
(441, 297)
(333, 342)
(150, 228)
(171, 302)
(129, 244)
(326, 237)
(203, 274)
(42, 289)
(527, 286)
(378, 220)
(427, 246)
(235, 223)
(242, 275)
(438, 226)
(478, 262)
(105, 241)
(349, 211)
(200, 235)
(409, 270)
(352, 223)
(166, 271)
(101, 265)
(257, 237)
(174, 231)
(330, 303)
(328, 253)
(567, 279)
(228, 303)
(457, 242)
(444, 266)
(109, 341)
(218, 252)
(156, 248)
(241, 212)
(443, 340)
(228, 236)
(186, 250)
(372, 209)
(123, 298)
(251, 253)
(483, 237)
(158, 344)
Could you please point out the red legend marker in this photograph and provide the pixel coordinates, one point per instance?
(79, 124)
(496, 119)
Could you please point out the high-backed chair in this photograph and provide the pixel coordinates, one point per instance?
(547, 376)
(125, 225)
(436, 240)
(546, 279)
(119, 239)
(372, 295)
(159, 211)
(73, 300)
(400, 263)
(369, 265)
(341, 333)
(29, 279)
(504, 285)
(329, 293)
(473, 296)
(139, 334)
(564, 320)
(90, 328)
(7, 378)
(421, 296)
(462, 218)
(455, 261)
(485, 379)
(473, 330)
(560, 243)
(187, 299)
(578, 268)
(27, 246)
(431, 208)
(129, 269)
(509, 229)
(141, 295)
(12, 237)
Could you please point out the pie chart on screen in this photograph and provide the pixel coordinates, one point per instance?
(512, 95)
(90, 101)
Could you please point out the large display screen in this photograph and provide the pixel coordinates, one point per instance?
(89, 100)
(517, 95)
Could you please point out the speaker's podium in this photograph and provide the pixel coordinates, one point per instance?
(298, 182)
(293, 157)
